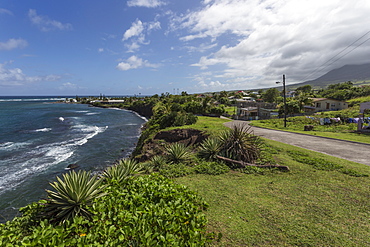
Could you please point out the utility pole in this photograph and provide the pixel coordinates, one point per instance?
(284, 95)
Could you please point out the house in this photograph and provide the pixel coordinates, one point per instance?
(326, 104)
(250, 110)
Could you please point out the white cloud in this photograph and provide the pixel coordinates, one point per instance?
(261, 40)
(136, 33)
(13, 44)
(16, 77)
(135, 62)
(68, 86)
(5, 11)
(136, 29)
(145, 3)
(101, 50)
(155, 25)
(45, 24)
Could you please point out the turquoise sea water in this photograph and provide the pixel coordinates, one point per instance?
(40, 138)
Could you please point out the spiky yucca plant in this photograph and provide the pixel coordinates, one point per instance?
(122, 170)
(210, 148)
(240, 143)
(72, 195)
(177, 152)
(158, 161)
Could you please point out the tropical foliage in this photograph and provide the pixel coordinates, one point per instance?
(239, 143)
(210, 148)
(72, 195)
(177, 153)
(121, 171)
(146, 211)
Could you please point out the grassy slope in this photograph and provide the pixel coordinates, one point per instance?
(305, 207)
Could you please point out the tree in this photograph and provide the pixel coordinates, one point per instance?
(307, 89)
(271, 95)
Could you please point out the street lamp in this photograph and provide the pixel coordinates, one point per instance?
(284, 95)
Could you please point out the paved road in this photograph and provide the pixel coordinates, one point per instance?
(352, 151)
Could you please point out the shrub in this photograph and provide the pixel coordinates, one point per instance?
(211, 168)
(210, 148)
(146, 211)
(121, 171)
(158, 162)
(72, 195)
(257, 170)
(177, 152)
(176, 170)
(240, 144)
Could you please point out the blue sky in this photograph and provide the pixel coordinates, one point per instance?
(117, 47)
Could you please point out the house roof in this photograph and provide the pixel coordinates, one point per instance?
(322, 99)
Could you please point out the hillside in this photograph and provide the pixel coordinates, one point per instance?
(358, 74)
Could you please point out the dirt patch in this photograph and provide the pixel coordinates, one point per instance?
(189, 137)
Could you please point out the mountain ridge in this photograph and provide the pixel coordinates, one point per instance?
(359, 74)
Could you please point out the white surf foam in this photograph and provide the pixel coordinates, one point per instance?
(9, 146)
(43, 130)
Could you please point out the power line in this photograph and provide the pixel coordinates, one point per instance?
(322, 68)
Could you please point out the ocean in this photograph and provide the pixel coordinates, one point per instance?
(40, 138)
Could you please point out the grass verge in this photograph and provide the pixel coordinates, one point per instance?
(341, 132)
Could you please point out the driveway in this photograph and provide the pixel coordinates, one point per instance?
(348, 150)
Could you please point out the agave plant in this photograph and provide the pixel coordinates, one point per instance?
(72, 195)
(158, 161)
(210, 148)
(177, 152)
(122, 170)
(240, 143)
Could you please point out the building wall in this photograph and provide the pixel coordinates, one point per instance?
(330, 105)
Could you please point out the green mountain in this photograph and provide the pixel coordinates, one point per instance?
(358, 74)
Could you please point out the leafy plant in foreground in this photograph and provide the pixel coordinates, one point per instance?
(72, 195)
(210, 148)
(177, 152)
(158, 162)
(122, 170)
(240, 144)
(211, 168)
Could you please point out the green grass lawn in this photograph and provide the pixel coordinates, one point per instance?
(296, 124)
(304, 207)
(211, 125)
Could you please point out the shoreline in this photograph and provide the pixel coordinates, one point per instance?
(121, 151)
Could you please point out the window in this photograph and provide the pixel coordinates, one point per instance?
(318, 105)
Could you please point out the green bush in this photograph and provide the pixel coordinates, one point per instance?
(257, 170)
(211, 168)
(147, 211)
(72, 195)
(121, 171)
(210, 148)
(177, 152)
(176, 170)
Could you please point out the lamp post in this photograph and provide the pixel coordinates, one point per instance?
(284, 95)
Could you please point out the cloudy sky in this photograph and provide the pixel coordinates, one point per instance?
(118, 47)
